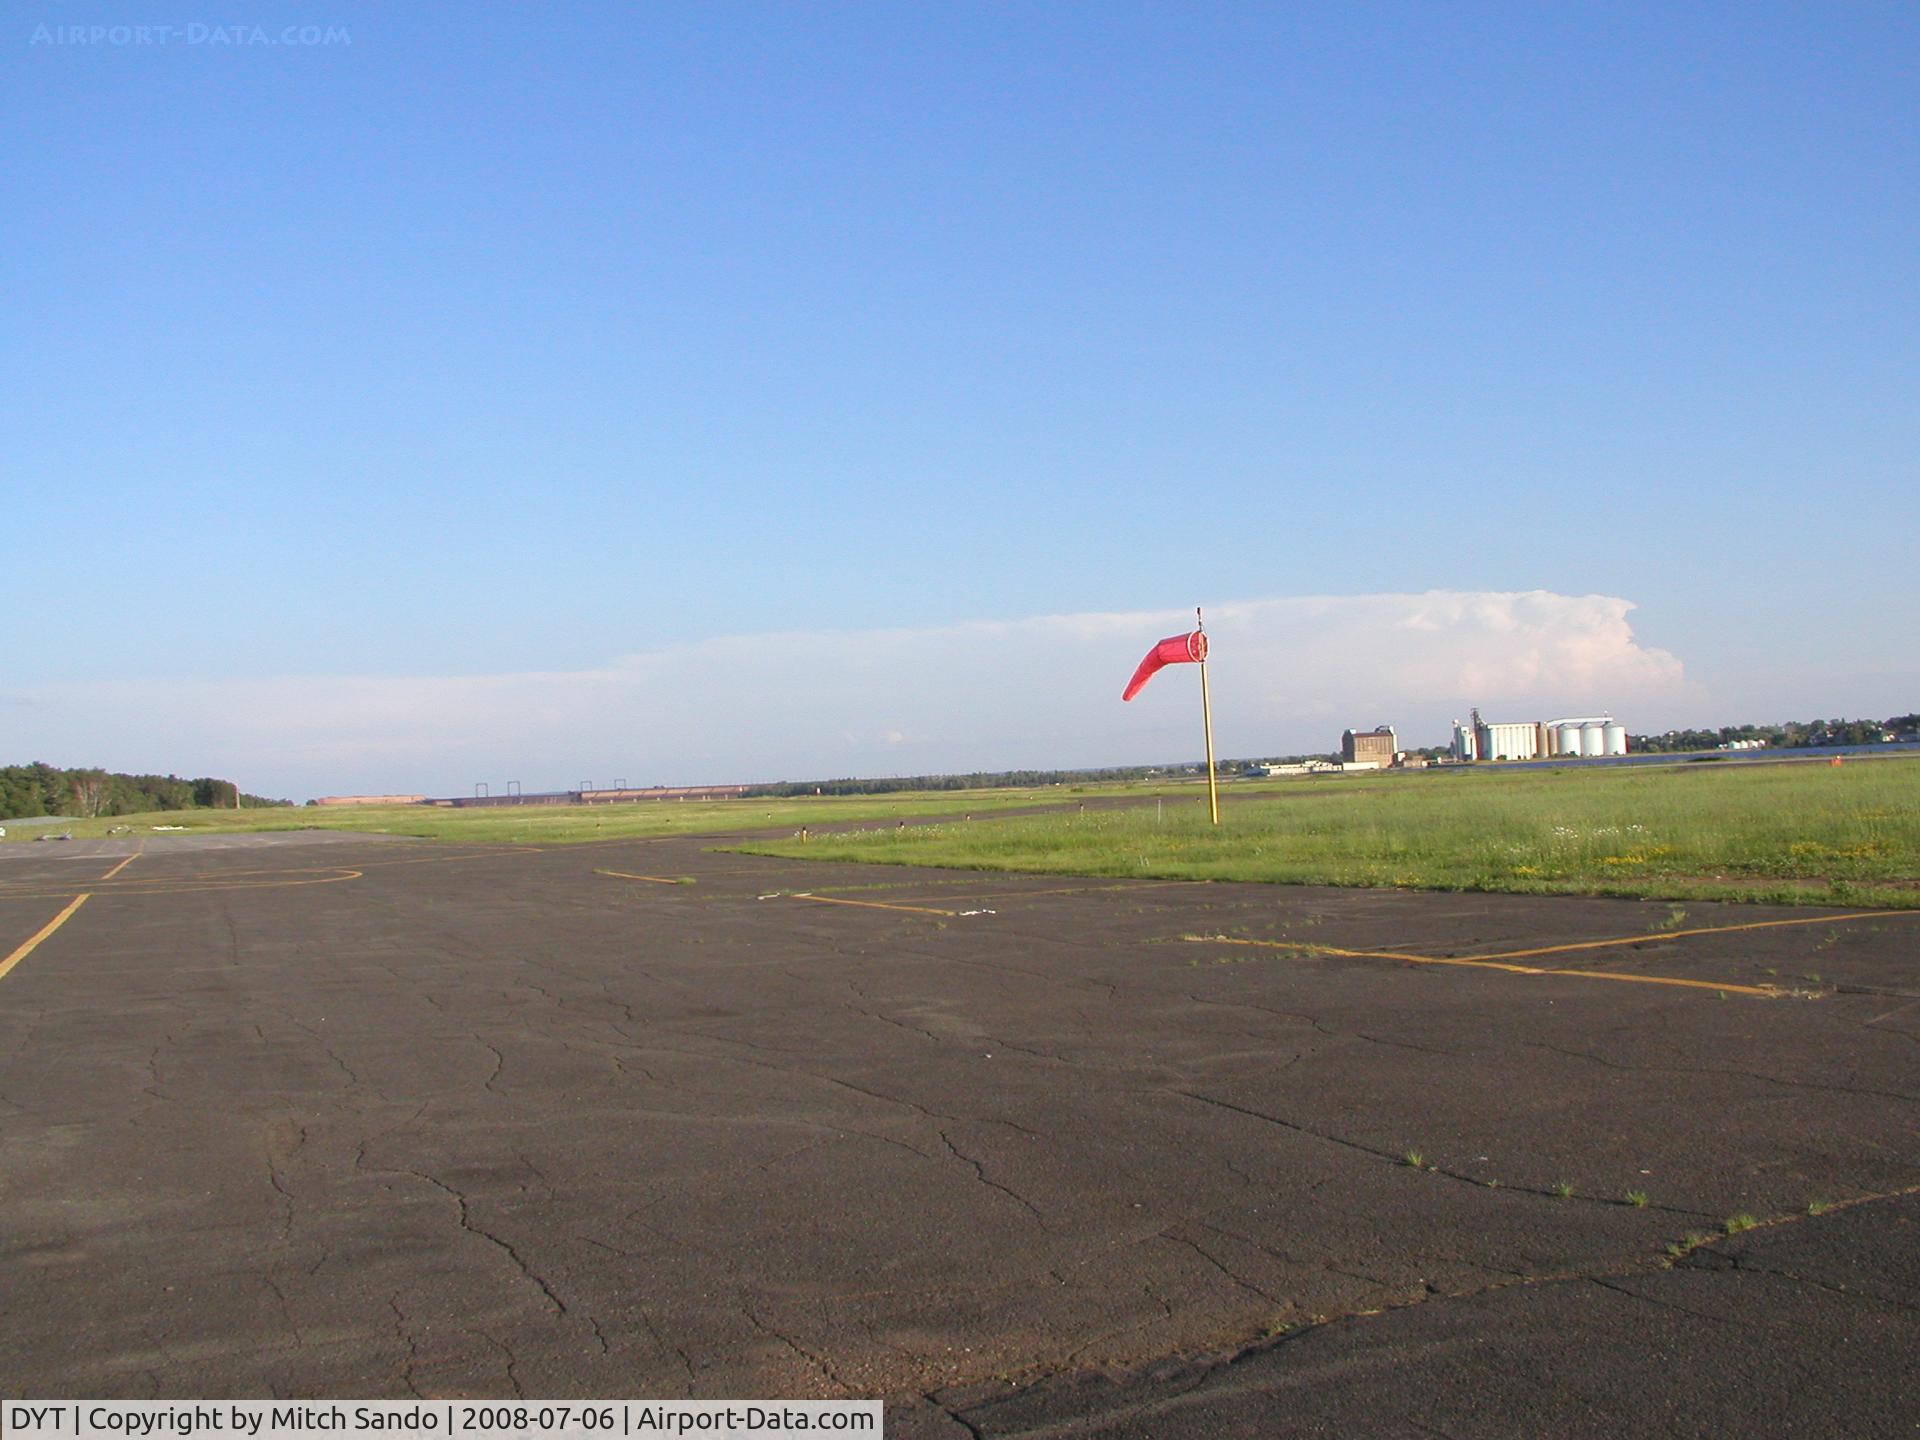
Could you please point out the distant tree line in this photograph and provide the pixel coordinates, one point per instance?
(40, 789)
(1791, 734)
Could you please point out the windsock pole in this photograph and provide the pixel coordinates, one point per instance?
(1206, 713)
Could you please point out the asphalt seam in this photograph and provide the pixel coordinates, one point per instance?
(1208, 1367)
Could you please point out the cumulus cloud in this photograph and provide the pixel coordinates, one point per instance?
(1288, 674)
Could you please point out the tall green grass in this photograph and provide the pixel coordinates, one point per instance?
(1795, 833)
(572, 824)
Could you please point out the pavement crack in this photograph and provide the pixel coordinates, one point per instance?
(1606, 1284)
(233, 935)
(1389, 1156)
(819, 1362)
(1292, 1125)
(405, 1334)
(345, 1069)
(538, 1174)
(286, 1310)
(980, 1174)
(1317, 1025)
(1759, 1075)
(686, 1360)
(957, 1416)
(1166, 1312)
(839, 1084)
(505, 1248)
(605, 1050)
(1402, 1044)
(499, 1063)
(1219, 1265)
(1748, 1262)
(286, 1199)
(883, 1019)
(360, 1150)
(513, 1361)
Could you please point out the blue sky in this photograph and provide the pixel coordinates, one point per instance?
(501, 341)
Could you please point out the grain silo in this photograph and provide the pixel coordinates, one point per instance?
(1615, 737)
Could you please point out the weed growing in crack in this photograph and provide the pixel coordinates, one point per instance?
(1564, 1189)
(1415, 1159)
(1637, 1199)
(1734, 1224)
(1819, 1207)
(1695, 1239)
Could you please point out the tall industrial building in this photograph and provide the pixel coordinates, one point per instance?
(1586, 736)
(1376, 746)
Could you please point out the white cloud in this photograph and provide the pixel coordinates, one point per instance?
(1287, 674)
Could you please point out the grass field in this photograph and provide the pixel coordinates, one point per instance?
(1798, 833)
(571, 824)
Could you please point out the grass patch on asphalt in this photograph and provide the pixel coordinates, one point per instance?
(1793, 833)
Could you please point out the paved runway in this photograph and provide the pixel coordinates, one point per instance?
(335, 1116)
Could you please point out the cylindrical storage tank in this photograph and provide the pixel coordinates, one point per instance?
(1616, 739)
(1569, 739)
(1593, 740)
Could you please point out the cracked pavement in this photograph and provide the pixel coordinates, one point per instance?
(358, 1118)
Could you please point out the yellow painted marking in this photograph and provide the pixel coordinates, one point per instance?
(488, 853)
(123, 864)
(1656, 935)
(656, 879)
(42, 933)
(181, 885)
(1064, 890)
(1763, 991)
(872, 904)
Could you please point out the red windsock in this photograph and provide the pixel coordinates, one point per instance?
(1174, 650)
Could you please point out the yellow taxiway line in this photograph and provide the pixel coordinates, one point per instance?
(1654, 936)
(1501, 959)
(181, 884)
(873, 905)
(655, 879)
(28, 947)
(123, 864)
(1767, 992)
(1059, 890)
